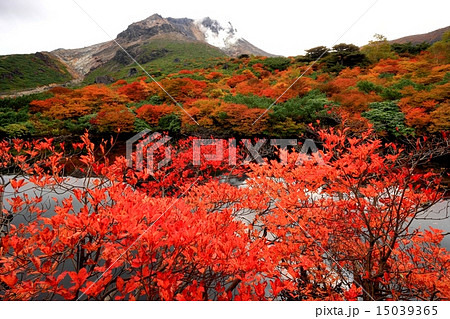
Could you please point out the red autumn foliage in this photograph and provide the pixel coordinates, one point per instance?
(114, 118)
(152, 113)
(234, 80)
(68, 104)
(182, 89)
(335, 226)
(135, 91)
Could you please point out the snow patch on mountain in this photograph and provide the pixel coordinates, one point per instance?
(217, 34)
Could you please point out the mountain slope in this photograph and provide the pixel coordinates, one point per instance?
(82, 61)
(227, 38)
(429, 37)
(23, 71)
(158, 57)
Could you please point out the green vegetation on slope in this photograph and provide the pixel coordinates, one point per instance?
(400, 96)
(24, 71)
(14, 115)
(159, 58)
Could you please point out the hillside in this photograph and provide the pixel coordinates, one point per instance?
(158, 57)
(399, 94)
(430, 37)
(23, 71)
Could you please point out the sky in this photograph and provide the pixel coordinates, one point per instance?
(277, 26)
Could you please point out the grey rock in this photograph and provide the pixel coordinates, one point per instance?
(132, 72)
(104, 79)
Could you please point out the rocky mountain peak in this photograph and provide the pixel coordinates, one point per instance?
(216, 34)
(149, 27)
(154, 16)
(216, 27)
(223, 36)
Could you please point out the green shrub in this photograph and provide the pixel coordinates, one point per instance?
(16, 130)
(12, 117)
(306, 109)
(390, 94)
(277, 63)
(80, 125)
(367, 87)
(445, 79)
(140, 125)
(404, 82)
(386, 75)
(170, 122)
(409, 48)
(387, 117)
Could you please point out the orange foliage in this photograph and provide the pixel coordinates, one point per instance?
(186, 72)
(441, 118)
(354, 100)
(338, 85)
(388, 66)
(182, 89)
(213, 75)
(254, 86)
(240, 118)
(417, 117)
(419, 82)
(234, 80)
(226, 117)
(136, 91)
(114, 118)
(43, 106)
(60, 90)
(120, 82)
(350, 73)
(75, 103)
(152, 113)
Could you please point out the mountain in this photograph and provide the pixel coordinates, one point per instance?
(429, 37)
(205, 30)
(160, 45)
(146, 41)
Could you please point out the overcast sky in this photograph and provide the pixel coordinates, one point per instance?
(276, 26)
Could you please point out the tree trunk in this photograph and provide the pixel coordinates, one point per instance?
(3, 218)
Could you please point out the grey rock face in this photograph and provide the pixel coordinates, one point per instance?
(105, 79)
